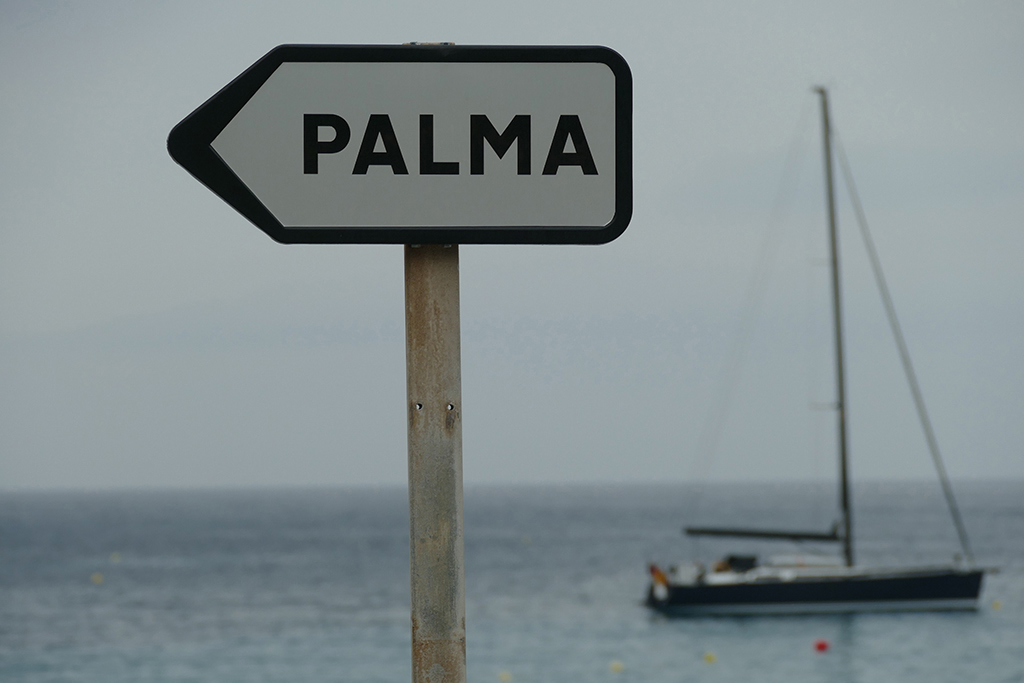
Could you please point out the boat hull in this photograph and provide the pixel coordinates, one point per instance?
(895, 591)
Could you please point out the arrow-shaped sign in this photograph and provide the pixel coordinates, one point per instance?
(423, 144)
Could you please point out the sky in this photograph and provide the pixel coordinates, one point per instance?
(150, 336)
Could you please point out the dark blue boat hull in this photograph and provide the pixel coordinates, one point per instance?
(918, 590)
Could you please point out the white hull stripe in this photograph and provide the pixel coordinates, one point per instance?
(823, 607)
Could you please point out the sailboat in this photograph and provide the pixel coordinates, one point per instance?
(741, 584)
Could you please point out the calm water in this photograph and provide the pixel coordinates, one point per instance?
(312, 585)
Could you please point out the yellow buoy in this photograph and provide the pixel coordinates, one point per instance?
(996, 605)
(115, 557)
(710, 657)
(505, 677)
(617, 667)
(97, 578)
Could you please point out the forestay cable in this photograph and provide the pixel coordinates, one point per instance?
(908, 368)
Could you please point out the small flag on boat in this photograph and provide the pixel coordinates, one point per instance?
(658, 576)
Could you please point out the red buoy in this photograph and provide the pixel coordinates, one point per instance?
(821, 645)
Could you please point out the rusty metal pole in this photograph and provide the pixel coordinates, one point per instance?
(434, 386)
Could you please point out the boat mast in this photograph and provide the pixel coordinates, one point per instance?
(844, 485)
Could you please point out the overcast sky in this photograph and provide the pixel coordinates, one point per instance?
(151, 336)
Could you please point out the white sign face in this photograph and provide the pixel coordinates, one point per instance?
(421, 144)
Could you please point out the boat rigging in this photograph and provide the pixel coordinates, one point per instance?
(740, 585)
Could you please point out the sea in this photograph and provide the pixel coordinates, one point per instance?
(312, 585)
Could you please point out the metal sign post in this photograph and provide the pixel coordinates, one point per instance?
(434, 387)
(436, 146)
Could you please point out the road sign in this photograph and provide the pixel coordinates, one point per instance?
(421, 144)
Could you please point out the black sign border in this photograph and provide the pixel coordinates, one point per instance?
(190, 144)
